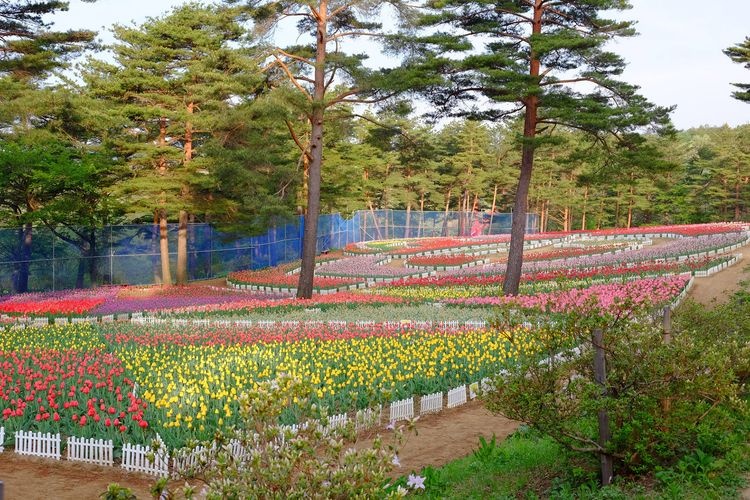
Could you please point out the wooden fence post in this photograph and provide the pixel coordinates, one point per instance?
(600, 375)
(666, 403)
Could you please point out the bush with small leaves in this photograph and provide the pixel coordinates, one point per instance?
(311, 459)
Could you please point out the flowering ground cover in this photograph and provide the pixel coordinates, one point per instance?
(112, 300)
(441, 260)
(284, 277)
(78, 379)
(605, 296)
(65, 378)
(127, 381)
(362, 267)
(452, 286)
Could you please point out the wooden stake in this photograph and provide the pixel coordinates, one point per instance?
(600, 375)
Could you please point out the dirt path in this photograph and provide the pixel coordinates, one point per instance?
(35, 478)
(448, 435)
(720, 286)
(441, 438)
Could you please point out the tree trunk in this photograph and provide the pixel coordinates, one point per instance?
(310, 238)
(81, 272)
(600, 215)
(494, 207)
(420, 230)
(166, 273)
(22, 279)
(154, 250)
(447, 206)
(193, 252)
(600, 375)
(93, 260)
(583, 214)
(188, 147)
(375, 221)
(182, 277)
(737, 211)
(617, 210)
(518, 224)
(407, 229)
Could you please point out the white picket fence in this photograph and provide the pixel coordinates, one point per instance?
(367, 418)
(456, 397)
(2, 439)
(431, 403)
(38, 444)
(91, 451)
(402, 410)
(141, 458)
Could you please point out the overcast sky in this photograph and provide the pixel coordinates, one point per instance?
(676, 59)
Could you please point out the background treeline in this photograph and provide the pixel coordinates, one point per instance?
(184, 121)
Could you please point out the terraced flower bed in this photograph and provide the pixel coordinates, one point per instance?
(178, 371)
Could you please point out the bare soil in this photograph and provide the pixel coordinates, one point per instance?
(440, 437)
(717, 289)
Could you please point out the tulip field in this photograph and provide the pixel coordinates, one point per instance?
(126, 363)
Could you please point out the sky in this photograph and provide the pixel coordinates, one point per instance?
(676, 59)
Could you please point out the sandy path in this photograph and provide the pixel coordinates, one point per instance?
(443, 437)
(720, 286)
(35, 478)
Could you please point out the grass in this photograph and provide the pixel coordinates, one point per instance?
(530, 465)
(714, 465)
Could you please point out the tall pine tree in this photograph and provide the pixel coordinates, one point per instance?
(740, 53)
(325, 78)
(543, 59)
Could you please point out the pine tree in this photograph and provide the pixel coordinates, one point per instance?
(740, 53)
(29, 48)
(172, 80)
(542, 59)
(325, 78)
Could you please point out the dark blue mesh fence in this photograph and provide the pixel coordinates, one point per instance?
(130, 254)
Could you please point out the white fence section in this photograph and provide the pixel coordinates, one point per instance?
(184, 460)
(2, 439)
(336, 421)
(431, 403)
(402, 410)
(138, 458)
(457, 396)
(367, 418)
(38, 444)
(91, 451)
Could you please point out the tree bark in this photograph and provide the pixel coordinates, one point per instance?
(447, 206)
(182, 277)
(600, 375)
(518, 224)
(583, 214)
(310, 238)
(737, 211)
(188, 147)
(407, 229)
(166, 273)
(93, 260)
(420, 229)
(154, 250)
(22, 279)
(492, 210)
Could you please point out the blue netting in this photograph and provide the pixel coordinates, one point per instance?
(130, 254)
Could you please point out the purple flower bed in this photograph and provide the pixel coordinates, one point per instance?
(672, 250)
(134, 304)
(362, 266)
